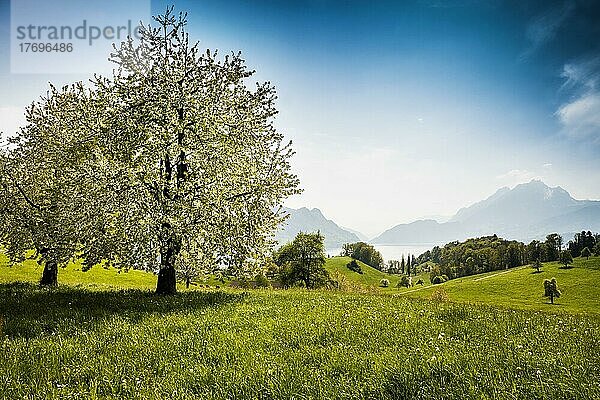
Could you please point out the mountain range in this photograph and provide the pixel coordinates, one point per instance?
(527, 211)
(305, 220)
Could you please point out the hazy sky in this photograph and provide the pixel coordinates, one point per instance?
(400, 110)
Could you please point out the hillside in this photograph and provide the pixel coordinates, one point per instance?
(369, 277)
(519, 287)
(425, 231)
(528, 211)
(522, 287)
(305, 220)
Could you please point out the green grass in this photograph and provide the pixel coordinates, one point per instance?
(94, 339)
(75, 343)
(370, 276)
(522, 287)
(97, 278)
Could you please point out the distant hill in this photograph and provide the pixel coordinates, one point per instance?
(528, 211)
(521, 287)
(369, 277)
(305, 220)
(425, 231)
(360, 235)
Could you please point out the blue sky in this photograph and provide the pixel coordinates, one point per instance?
(400, 110)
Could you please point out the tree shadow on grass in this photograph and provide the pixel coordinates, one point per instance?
(565, 267)
(28, 311)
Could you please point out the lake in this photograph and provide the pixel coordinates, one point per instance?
(395, 252)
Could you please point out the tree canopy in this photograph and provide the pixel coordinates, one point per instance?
(363, 252)
(581, 241)
(551, 289)
(586, 252)
(174, 162)
(39, 204)
(566, 258)
(303, 260)
(475, 256)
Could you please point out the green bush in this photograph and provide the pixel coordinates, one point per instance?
(261, 281)
(404, 281)
(353, 266)
(384, 282)
(439, 279)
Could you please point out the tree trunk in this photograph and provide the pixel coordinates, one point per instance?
(187, 283)
(167, 281)
(50, 274)
(551, 298)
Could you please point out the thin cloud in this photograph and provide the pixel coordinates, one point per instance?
(580, 116)
(584, 73)
(543, 28)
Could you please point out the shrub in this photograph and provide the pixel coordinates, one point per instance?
(242, 282)
(439, 294)
(439, 279)
(384, 283)
(353, 266)
(403, 282)
(433, 272)
(261, 281)
(420, 282)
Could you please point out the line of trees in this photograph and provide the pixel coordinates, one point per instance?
(477, 255)
(491, 253)
(584, 242)
(405, 267)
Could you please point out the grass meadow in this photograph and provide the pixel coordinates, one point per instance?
(522, 287)
(114, 339)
